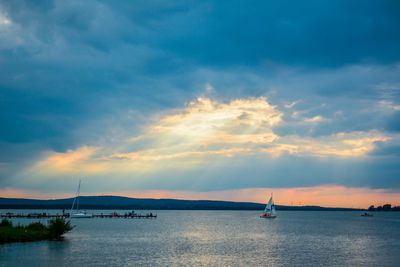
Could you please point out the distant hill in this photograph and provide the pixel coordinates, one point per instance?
(117, 202)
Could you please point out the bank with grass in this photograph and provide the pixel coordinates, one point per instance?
(36, 231)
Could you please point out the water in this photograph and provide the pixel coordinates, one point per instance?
(220, 238)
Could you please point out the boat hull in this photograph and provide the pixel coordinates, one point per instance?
(267, 216)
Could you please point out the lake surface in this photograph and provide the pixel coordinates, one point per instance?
(219, 238)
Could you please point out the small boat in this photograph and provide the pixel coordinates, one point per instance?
(269, 211)
(367, 215)
(81, 215)
(78, 214)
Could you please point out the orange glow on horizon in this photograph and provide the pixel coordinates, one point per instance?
(325, 196)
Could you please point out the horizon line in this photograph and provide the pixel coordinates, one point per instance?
(181, 199)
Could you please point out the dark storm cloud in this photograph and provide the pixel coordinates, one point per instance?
(215, 33)
(393, 122)
(316, 33)
(386, 149)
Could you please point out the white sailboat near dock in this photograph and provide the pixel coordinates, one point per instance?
(78, 214)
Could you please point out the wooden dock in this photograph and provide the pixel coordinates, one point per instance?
(45, 215)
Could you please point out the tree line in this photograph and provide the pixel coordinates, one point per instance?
(386, 207)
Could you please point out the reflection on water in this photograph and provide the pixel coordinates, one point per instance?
(220, 238)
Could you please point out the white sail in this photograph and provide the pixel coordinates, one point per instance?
(269, 206)
(273, 212)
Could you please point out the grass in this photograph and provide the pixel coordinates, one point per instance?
(36, 231)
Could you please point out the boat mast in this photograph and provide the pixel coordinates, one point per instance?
(76, 197)
(79, 191)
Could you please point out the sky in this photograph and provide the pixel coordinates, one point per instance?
(224, 100)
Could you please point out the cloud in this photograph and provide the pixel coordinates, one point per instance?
(205, 118)
(214, 33)
(72, 161)
(354, 144)
(187, 133)
(386, 149)
(314, 119)
(393, 122)
(106, 82)
(4, 21)
(288, 106)
(237, 135)
(206, 127)
(389, 105)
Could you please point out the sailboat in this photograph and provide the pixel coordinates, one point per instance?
(78, 214)
(269, 211)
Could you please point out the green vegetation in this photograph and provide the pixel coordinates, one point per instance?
(33, 232)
